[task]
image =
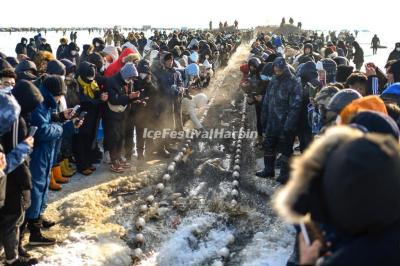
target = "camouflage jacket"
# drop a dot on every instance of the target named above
(282, 105)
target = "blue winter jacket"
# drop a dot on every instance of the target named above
(43, 152)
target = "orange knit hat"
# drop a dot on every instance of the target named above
(371, 103)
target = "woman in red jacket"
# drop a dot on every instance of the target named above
(127, 55)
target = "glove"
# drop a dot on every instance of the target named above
(26, 199)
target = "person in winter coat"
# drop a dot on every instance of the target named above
(21, 47)
(120, 95)
(62, 48)
(90, 98)
(308, 75)
(170, 84)
(254, 87)
(44, 46)
(358, 56)
(31, 48)
(127, 55)
(335, 185)
(395, 54)
(279, 117)
(142, 113)
(87, 49)
(98, 44)
(47, 135)
(71, 53)
(19, 182)
(18, 179)
(41, 59)
(26, 70)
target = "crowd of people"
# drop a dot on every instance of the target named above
(341, 191)
(52, 106)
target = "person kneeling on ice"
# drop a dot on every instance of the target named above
(194, 106)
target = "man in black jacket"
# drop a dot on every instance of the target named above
(120, 95)
(21, 47)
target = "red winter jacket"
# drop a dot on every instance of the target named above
(245, 71)
(116, 66)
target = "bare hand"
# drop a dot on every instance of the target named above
(370, 70)
(3, 162)
(77, 122)
(104, 96)
(134, 95)
(30, 141)
(69, 113)
(309, 254)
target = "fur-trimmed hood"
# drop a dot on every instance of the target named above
(297, 199)
(343, 180)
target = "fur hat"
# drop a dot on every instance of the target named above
(131, 58)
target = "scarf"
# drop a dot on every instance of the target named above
(88, 88)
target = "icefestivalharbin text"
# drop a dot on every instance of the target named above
(214, 133)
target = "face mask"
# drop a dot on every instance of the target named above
(24, 42)
(106, 65)
(7, 90)
(103, 68)
(90, 79)
(97, 44)
(398, 49)
(265, 77)
(74, 52)
(143, 75)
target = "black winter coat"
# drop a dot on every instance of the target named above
(381, 249)
(118, 91)
(19, 179)
(146, 115)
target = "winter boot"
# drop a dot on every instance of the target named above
(58, 177)
(53, 184)
(45, 223)
(269, 167)
(22, 252)
(22, 261)
(285, 171)
(66, 170)
(36, 238)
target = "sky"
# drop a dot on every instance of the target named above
(338, 14)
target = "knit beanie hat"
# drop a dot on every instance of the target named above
(129, 71)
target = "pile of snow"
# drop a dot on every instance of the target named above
(271, 248)
(83, 249)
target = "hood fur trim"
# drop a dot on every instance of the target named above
(307, 167)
